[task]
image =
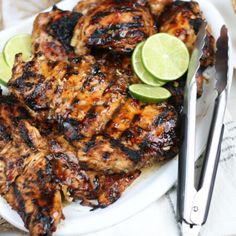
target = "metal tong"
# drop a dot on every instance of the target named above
(193, 201)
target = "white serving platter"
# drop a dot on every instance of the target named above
(153, 183)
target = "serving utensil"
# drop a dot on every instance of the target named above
(193, 201)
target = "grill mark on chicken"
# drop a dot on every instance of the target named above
(25, 136)
(131, 154)
(5, 136)
(102, 36)
(62, 28)
(114, 25)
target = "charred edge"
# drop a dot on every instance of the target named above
(21, 81)
(25, 136)
(62, 29)
(31, 100)
(23, 85)
(103, 35)
(131, 154)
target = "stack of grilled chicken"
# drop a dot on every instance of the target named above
(70, 129)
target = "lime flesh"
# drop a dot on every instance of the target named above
(149, 94)
(18, 44)
(141, 71)
(5, 71)
(165, 56)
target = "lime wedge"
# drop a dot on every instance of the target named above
(165, 56)
(149, 94)
(18, 44)
(5, 71)
(140, 70)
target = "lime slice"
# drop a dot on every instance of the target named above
(165, 56)
(140, 70)
(18, 44)
(149, 94)
(5, 71)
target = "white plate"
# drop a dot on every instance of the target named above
(152, 184)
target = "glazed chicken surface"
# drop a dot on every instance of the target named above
(89, 101)
(35, 170)
(70, 130)
(115, 25)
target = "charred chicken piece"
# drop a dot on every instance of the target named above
(36, 198)
(34, 170)
(26, 178)
(111, 131)
(52, 33)
(115, 25)
(93, 188)
(183, 20)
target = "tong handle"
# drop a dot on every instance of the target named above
(201, 203)
(186, 176)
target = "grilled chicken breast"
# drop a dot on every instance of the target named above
(52, 33)
(89, 101)
(115, 25)
(34, 170)
(26, 178)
